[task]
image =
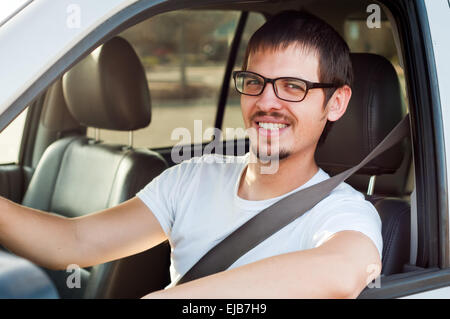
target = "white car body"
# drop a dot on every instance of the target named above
(49, 29)
(438, 14)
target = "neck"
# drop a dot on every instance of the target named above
(262, 181)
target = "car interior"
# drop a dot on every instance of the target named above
(90, 141)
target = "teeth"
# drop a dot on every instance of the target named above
(271, 126)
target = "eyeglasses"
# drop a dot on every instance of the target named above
(285, 88)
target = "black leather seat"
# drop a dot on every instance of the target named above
(78, 175)
(374, 109)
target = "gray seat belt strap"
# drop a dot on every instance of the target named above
(280, 214)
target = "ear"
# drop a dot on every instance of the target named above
(337, 105)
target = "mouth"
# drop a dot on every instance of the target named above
(271, 128)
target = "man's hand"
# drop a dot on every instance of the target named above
(340, 268)
(54, 241)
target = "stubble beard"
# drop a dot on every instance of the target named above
(268, 156)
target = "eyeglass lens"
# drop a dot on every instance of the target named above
(285, 88)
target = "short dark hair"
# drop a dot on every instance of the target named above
(311, 33)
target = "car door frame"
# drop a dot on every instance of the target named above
(433, 270)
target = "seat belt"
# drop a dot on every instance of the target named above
(280, 214)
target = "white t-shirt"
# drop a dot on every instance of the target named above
(197, 205)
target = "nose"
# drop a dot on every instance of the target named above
(267, 100)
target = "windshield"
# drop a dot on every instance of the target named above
(8, 8)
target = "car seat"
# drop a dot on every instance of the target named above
(78, 175)
(375, 108)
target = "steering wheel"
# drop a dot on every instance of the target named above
(20, 278)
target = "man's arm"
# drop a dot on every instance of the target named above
(339, 268)
(54, 241)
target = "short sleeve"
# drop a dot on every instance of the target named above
(158, 196)
(356, 214)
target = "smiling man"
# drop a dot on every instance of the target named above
(296, 79)
(288, 117)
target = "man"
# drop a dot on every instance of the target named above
(296, 78)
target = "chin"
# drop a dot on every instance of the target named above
(264, 157)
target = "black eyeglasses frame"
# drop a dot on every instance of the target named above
(309, 85)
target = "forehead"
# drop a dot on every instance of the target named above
(294, 60)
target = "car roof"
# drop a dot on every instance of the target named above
(39, 35)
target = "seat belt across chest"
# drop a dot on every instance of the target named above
(281, 213)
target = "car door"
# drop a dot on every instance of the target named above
(434, 22)
(429, 276)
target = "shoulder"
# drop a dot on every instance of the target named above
(344, 208)
(347, 200)
(208, 163)
(343, 192)
(214, 159)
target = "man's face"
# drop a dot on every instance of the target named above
(305, 120)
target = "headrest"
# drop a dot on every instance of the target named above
(374, 109)
(108, 89)
(55, 116)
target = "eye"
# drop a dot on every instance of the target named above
(252, 81)
(293, 86)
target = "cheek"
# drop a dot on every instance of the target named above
(317, 107)
(310, 122)
(246, 108)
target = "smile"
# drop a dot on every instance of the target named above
(271, 126)
(271, 129)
